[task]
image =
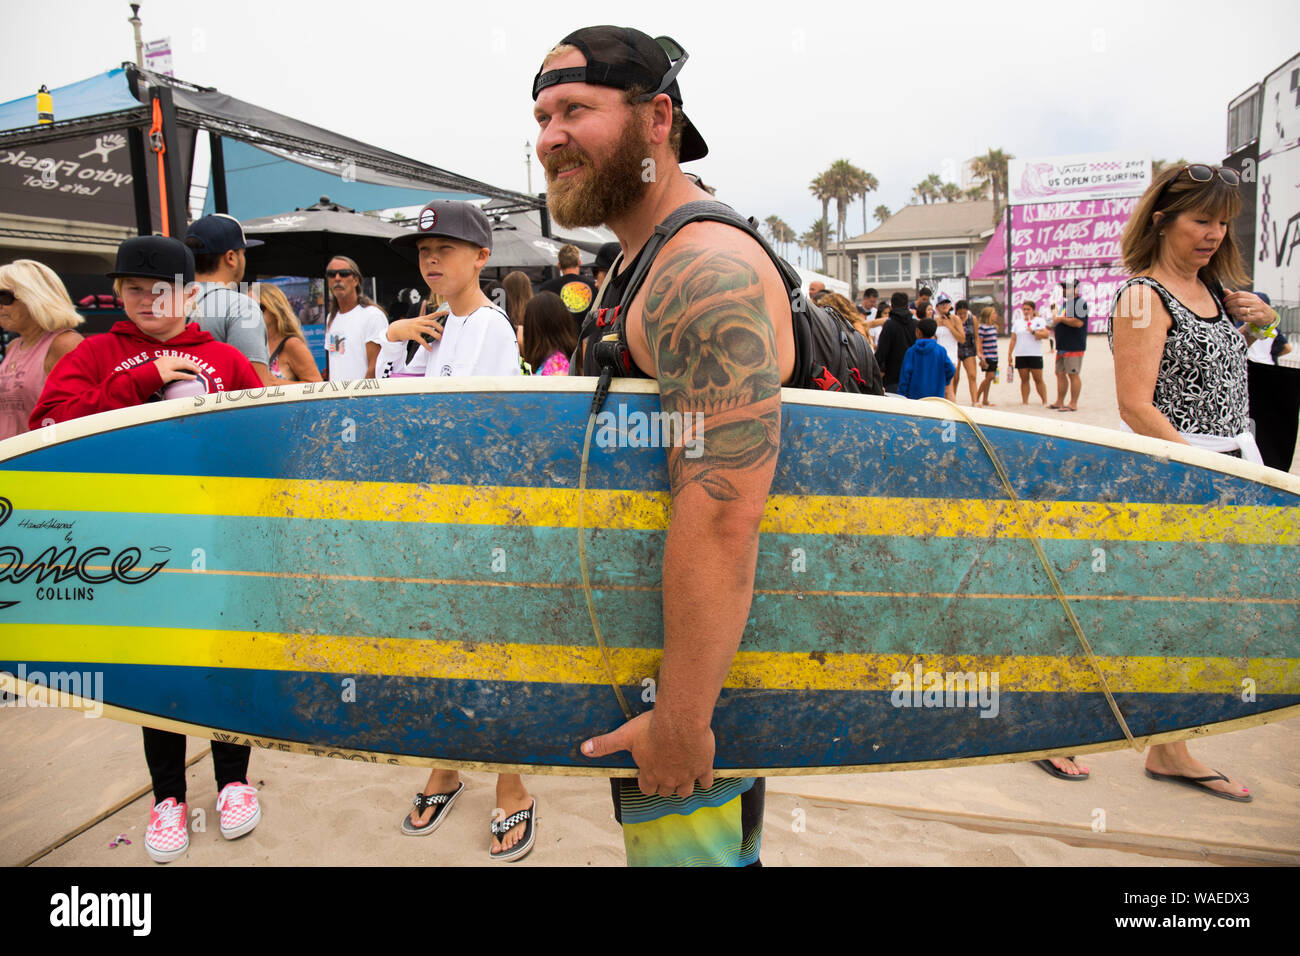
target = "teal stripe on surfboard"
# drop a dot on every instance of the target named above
(1004, 565)
(891, 623)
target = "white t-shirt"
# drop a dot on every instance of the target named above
(1027, 346)
(481, 343)
(346, 338)
(947, 341)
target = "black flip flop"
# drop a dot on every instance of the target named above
(442, 801)
(501, 827)
(1056, 771)
(1199, 784)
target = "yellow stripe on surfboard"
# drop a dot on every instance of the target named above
(546, 663)
(643, 510)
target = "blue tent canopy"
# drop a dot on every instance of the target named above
(105, 93)
(260, 183)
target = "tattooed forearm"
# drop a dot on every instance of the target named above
(714, 345)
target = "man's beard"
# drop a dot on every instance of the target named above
(599, 194)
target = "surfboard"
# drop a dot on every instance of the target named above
(390, 572)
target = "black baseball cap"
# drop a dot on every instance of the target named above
(154, 257)
(625, 58)
(451, 218)
(605, 258)
(218, 233)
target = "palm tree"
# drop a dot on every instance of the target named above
(992, 168)
(773, 229)
(822, 189)
(867, 184)
(815, 238)
(977, 192)
(845, 179)
(951, 192)
(881, 213)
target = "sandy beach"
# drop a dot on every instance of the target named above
(72, 786)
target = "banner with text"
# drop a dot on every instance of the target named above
(1085, 176)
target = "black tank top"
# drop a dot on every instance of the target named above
(614, 288)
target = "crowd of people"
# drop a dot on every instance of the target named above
(1180, 375)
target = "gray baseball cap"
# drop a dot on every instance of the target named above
(451, 218)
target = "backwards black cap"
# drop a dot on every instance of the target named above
(625, 58)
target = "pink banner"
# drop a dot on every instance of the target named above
(1056, 242)
(1097, 286)
(1082, 232)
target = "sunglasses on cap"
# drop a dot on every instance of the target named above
(1200, 173)
(338, 273)
(677, 58)
(7, 297)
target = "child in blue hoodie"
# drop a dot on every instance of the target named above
(927, 369)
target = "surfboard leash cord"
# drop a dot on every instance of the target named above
(597, 400)
(1042, 558)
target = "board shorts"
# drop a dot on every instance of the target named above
(1069, 363)
(965, 351)
(990, 365)
(1029, 361)
(720, 826)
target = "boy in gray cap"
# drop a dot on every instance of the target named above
(471, 336)
(468, 336)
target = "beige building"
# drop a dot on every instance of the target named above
(920, 243)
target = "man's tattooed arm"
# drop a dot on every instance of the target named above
(714, 345)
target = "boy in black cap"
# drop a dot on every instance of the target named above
(151, 357)
(713, 324)
(470, 336)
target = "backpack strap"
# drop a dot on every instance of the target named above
(611, 348)
(703, 210)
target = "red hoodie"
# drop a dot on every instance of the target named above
(117, 370)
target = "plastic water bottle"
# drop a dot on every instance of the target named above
(184, 388)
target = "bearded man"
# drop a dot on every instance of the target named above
(712, 323)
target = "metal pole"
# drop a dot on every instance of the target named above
(139, 43)
(218, 174)
(1007, 315)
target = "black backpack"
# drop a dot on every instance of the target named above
(829, 353)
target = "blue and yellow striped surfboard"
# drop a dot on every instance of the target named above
(389, 572)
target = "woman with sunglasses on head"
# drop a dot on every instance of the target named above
(1180, 364)
(35, 306)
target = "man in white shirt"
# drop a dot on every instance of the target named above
(469, 336)
(356, 327)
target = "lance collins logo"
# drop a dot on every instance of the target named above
(946, 689)
(76, 908)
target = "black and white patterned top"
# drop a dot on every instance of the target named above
(1201, 386)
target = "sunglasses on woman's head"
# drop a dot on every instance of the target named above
(6, 297)
(1200, 173)
(340, 273)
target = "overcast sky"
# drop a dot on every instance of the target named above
(779, 91)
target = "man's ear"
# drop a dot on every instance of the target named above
(661, 118)
(481, 259)
(231, 258)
